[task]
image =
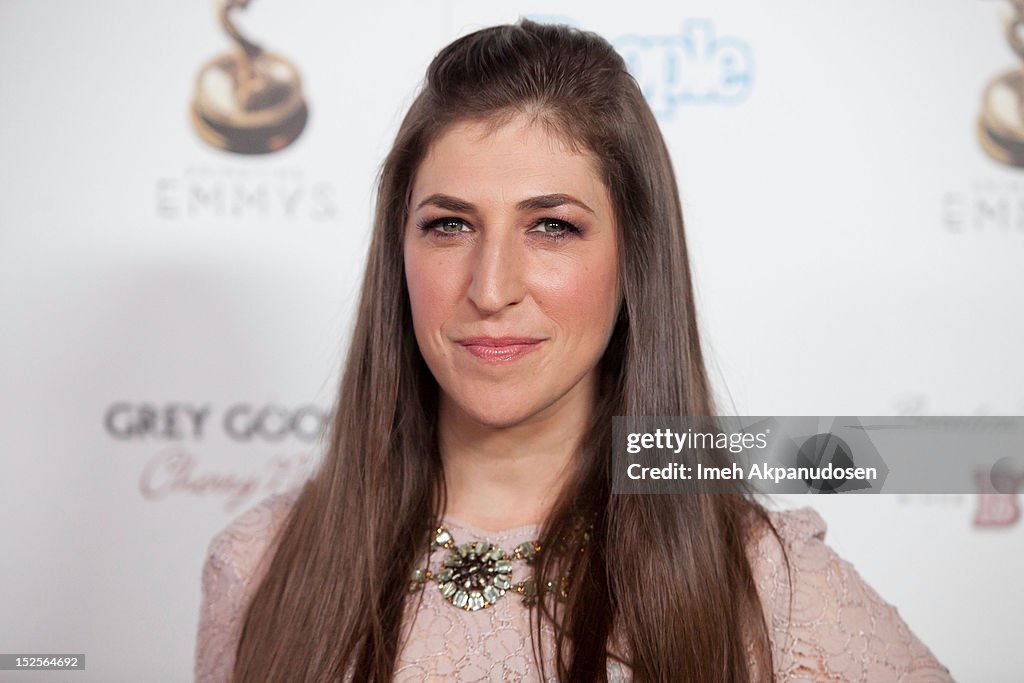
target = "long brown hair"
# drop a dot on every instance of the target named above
(667, 576)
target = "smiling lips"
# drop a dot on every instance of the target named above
(500, 349)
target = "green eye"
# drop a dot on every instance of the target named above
(451, 227)
(445, 227)
(555, 228)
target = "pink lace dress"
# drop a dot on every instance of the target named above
(839, 628)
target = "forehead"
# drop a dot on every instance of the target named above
(478, 160)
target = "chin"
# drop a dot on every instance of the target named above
(494, 410)
(496, 416)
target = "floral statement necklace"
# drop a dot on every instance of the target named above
(475, 575)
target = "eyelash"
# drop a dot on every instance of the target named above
(569, 230)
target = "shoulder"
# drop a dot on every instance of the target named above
(795, 542)
(792, 547)
(234, 566)
(824, 620)
(244, 541)
(779, 555)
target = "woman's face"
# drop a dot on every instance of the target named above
(511, 260)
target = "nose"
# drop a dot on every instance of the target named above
(497, 279)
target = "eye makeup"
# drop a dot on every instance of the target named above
(437, 226)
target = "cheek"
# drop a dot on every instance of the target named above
(430, 290)
(583, 298)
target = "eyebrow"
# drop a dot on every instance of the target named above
(544, 201)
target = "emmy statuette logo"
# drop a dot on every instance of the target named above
(247, 101)
(992, 203)
(1001, 122)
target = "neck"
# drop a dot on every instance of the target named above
(503, 477)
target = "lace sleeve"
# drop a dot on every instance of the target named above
(839, 628)
(232, 571)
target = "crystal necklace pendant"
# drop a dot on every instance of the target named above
(474, 576)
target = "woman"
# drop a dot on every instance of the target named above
(527, 281)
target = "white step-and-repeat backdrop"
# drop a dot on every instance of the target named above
(174, 308)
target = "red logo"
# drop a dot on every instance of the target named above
(998, 499)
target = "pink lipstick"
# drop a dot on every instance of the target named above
(500, 349)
